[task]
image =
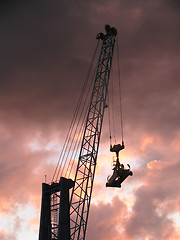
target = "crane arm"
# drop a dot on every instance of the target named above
(84, 178)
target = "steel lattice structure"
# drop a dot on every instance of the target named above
(82, 191)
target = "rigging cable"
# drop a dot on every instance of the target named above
(75, 131)
(120, 96)
(113, 104)
(69, 134)
(76, 145)
(109, 118)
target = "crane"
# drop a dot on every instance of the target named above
(65, 217)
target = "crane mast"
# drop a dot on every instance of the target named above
(61, 218)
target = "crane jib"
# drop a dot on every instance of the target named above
(84, 178)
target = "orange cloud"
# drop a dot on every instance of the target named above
(145, 142)
(155, 164)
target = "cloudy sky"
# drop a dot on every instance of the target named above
(45, 51)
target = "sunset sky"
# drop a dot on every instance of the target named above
(45, 51)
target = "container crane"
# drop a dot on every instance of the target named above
(64, 218)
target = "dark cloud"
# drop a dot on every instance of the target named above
(107, 218)
(40, 67)
(45, 57)
(150, 212)
(174, 4)
(146, 221)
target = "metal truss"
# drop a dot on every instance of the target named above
(82, 191)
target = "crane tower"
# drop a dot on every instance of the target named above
(64, 218)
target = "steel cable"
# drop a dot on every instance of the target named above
(120, 95)
(60, 165)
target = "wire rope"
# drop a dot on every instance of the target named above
(76, 147)
(109, 118)
(75, 131)
(120, 95)
(114, 132)
(74, 135)
(71, 128)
